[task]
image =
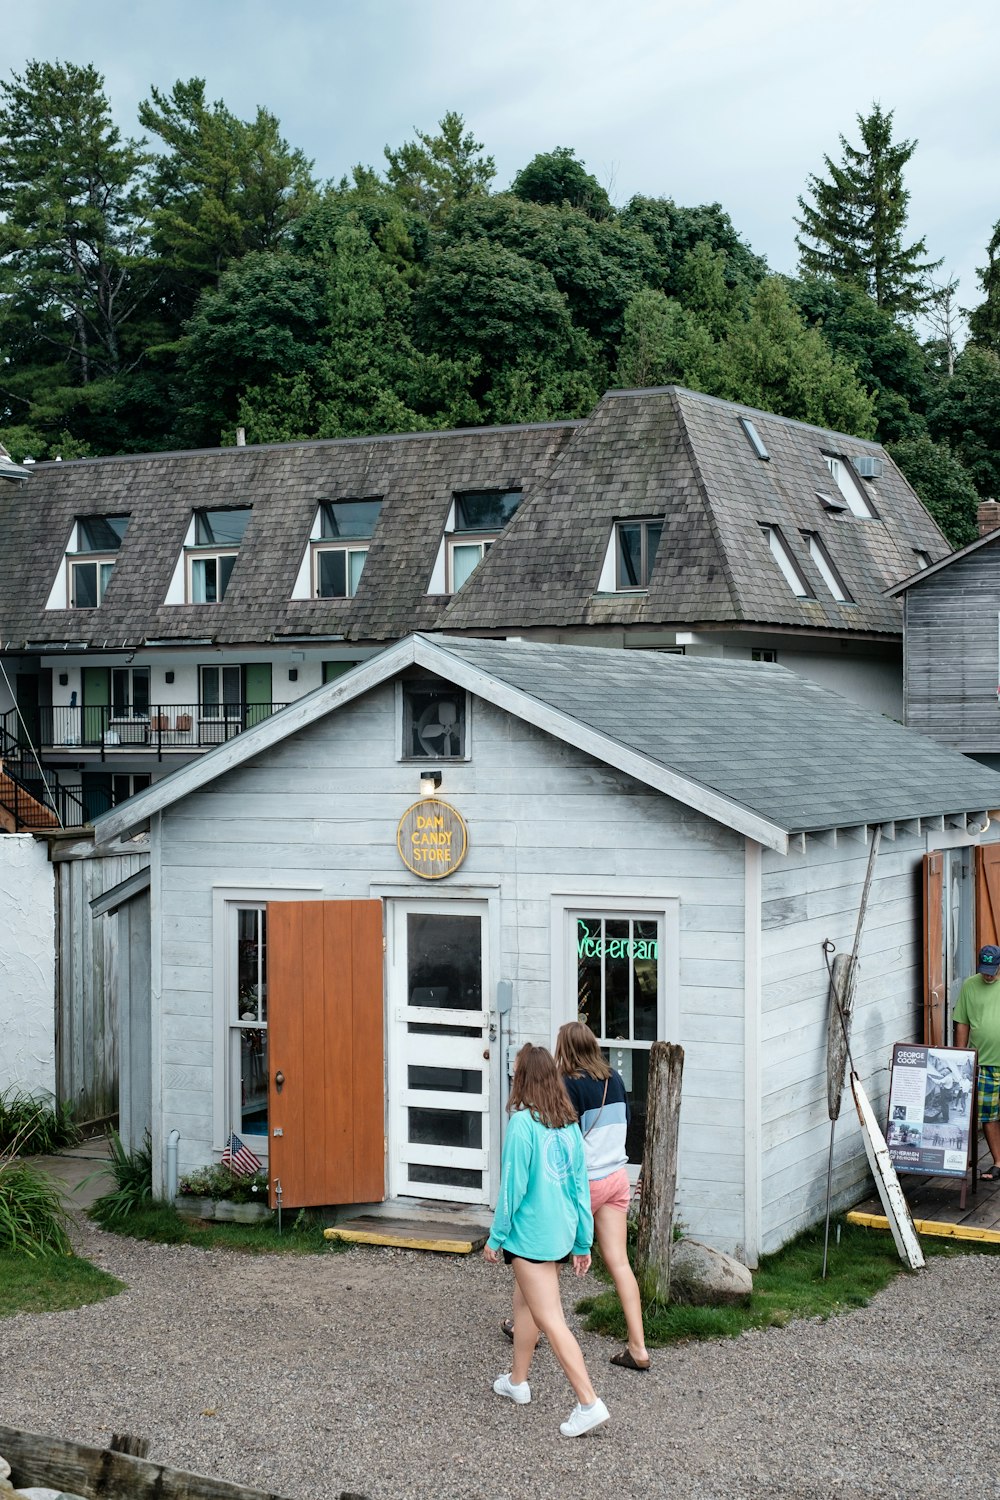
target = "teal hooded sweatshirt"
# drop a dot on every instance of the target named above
(543, 1210)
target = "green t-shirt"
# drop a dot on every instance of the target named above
(978, 1008)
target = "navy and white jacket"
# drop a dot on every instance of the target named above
(603, 1130)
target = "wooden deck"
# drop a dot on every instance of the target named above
(935, 1204)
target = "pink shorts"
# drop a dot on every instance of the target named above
(614, 1191)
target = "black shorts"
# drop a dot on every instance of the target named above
(562, 1261)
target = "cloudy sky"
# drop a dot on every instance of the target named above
(701, 101)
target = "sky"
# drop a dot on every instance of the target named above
(702, 101)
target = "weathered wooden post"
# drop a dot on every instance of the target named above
(659, 1171)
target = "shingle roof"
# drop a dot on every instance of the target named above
(685, 456)
(726, 736)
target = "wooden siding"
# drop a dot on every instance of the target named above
(87, 1000)
(951, 653)
(544, 818)
(808, 898)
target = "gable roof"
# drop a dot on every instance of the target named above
(666, 452)
(942, 563)
(756, 747)
(685, 456)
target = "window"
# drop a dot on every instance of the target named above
(923, 558)
(340, 551)
(480, 517)
(130, 692)
(756, 441)
(619, 996)
(636, 543)
(786, 562)
(247, 1026)
(763, 653)
(857, 502)
(221, 692)
(434, 721)
(826, 568)
(98, 539)
(217, 538)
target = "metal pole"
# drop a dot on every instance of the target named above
(829, 1194)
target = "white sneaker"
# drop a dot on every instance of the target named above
(583, 1419)
(521, 1394)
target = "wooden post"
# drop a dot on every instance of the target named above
(659, 1171)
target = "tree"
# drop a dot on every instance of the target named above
(224, 187)
(434, 172)
(558, 177)
(674, 232)
(853, 229)
(665, 344)
(984, 320)
(943, 484)
(72, 268)
(965, 414)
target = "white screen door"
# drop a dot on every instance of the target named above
(440, 1065)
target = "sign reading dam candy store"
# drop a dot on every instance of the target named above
(432, 839)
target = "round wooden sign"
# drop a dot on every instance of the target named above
(432, 839)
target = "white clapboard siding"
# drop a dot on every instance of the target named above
(950, 651)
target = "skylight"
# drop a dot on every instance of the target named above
(756, 441)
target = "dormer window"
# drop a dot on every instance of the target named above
(923, 558)
(212, 551)
(826, 567)
(478, 519)
(782, 555)
(339, 551)
(848, 486)
(636, 544)
(89, 563)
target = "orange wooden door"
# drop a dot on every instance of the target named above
(987, 894)
(934, 984)
(325, 1025)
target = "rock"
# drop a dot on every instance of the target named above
(4, 1468)
(703, 1277)
(42, 1492)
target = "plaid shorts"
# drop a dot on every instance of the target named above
(989, 1093)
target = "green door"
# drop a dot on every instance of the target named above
(258, 692)
(96, 703)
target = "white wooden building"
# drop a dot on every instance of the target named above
(661, 843)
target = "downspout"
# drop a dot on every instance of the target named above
(172, 1141)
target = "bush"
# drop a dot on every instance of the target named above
(38, 1126)
(133, 1175)
(32, 1212)
(219, 1183)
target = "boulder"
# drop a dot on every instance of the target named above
(703, 1277)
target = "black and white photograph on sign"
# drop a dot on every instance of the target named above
(930, 1109)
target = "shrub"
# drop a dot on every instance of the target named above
(218, 1182)
(38, 1125)
(32, 1211)
(133, 1175)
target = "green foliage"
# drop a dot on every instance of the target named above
(853, 229)
(132, 1172)
(965, 414)
(674, 232)
(558, 177)
(434, 172)
(984, 320)
(943, 484)
(787, 1285)
(50, 1283)
(36, 1126)
(32, 1212)
(219, 1182)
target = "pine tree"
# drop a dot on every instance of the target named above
(984, 320)
(853, 229)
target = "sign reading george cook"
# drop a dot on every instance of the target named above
(432, 839)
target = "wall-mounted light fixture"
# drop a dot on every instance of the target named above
(63, 679)
(168, 676)
(429, 782)
(293, 674)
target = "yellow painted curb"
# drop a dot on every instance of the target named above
(399, 1241)
(931, 1227)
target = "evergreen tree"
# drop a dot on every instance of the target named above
(984, 320)
(558, 177)
(853, 228)
(434, 172)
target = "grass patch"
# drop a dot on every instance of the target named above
(162, 1224)
(787, 1285)
(50, 1283)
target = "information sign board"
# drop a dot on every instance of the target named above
(931, 1109)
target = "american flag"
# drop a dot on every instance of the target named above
(239, 1158)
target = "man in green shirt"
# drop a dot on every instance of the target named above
(977, 1024)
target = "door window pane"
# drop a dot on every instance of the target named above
(445, 1127)
(248, 1089)
(460, 1177)
(445, 961)
(445, 1080)
(84, 586)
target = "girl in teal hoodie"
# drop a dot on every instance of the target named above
(543, 1218)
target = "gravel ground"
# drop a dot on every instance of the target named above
(371, 1371)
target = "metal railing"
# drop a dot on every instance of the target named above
(31, 799)
(112, 728)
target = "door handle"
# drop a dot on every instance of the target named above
(486, 1054)
(279, 1079)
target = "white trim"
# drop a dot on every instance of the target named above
(752, 1165)
(657, 901)
(224, 898)
(156, 1009)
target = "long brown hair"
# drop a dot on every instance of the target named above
(577, 1052)
(537, 1086)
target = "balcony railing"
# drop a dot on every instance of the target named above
(113, 728)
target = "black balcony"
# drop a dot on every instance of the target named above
(110, 730)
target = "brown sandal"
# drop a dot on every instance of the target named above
(507, 1329)
(627, 1361)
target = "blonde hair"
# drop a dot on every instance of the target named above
(577, 1052)
(537, 1086)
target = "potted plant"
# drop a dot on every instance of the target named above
(216, 1193)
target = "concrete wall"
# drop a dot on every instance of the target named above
(27, 965)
